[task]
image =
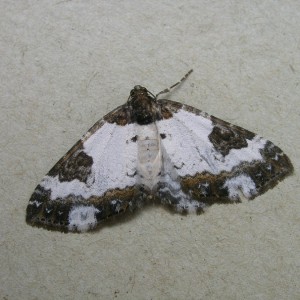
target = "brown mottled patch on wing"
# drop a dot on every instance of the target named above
(54, 214)
(121, 116)
(168, 108)
(226, 136)
(209, 188)
(74, 165)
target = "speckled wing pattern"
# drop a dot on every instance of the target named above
(154, 150)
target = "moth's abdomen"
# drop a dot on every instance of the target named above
(149, 155)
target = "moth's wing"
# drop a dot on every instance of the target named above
(208, 160)
(92, 182)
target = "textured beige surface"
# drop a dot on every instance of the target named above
(64, 64)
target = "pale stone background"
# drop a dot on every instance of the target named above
(64, 64)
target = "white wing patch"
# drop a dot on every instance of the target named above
(109, 171)
(82, 218)
(190, 150)
(240, 183)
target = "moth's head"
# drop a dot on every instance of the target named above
(139, 89)
(142, 105)
(140, 93)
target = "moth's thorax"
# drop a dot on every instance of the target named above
(144, 108)
(149, 155)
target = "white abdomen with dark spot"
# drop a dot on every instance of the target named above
(149, 155)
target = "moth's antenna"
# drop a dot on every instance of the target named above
(177, 83)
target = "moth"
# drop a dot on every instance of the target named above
(154, 150)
